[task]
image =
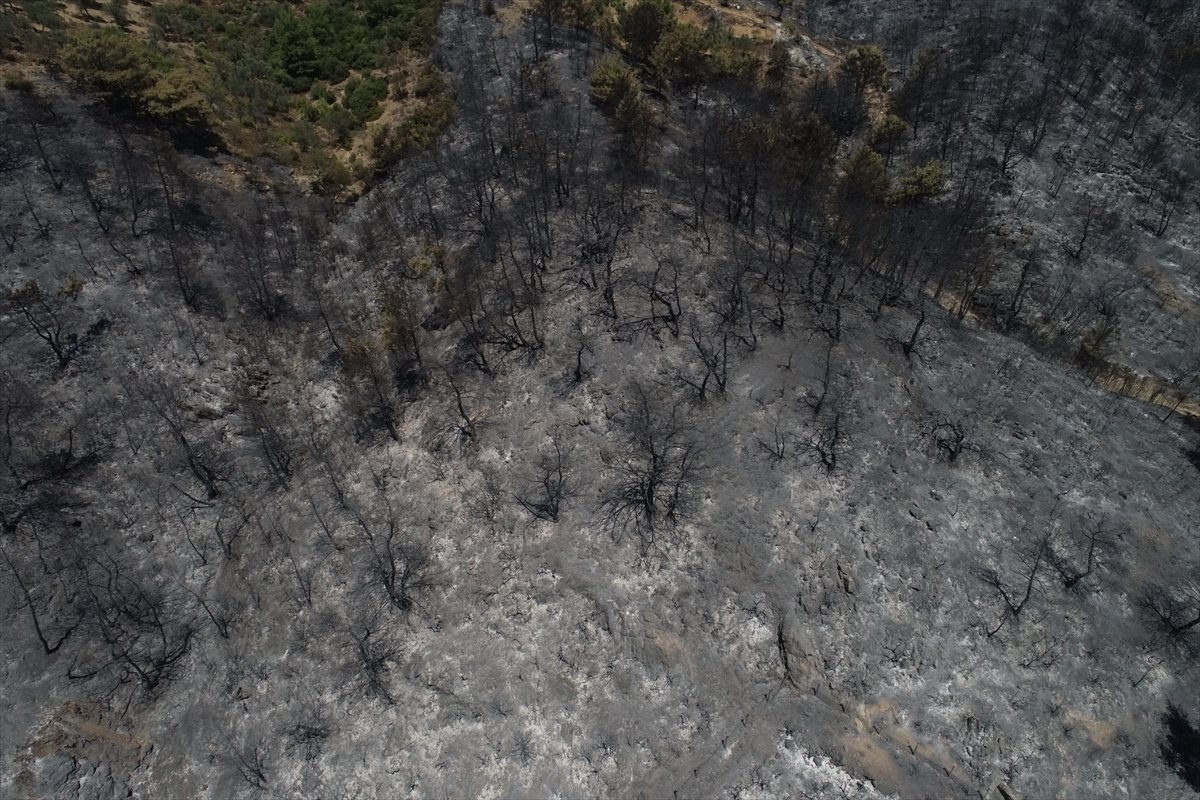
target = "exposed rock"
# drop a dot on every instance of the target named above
(798, 654)
(82, 752)
(846, 579)
(1008, 793)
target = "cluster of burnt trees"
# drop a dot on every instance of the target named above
(538, 193)
(129, 500)
(1139, 55)
(82, 592)
(1062, 93)
(850, 183)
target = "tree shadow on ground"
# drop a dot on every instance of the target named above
(1181, 749)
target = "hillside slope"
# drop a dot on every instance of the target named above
(637, 439)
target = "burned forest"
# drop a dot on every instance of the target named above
(569, 398)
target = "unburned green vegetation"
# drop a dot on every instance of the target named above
(297, 82)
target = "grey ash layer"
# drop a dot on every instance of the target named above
(572, 462)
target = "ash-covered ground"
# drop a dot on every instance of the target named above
(585, 456)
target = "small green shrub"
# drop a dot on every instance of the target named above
(178, 95)
(305, 136)
(679, 59)
(919, 183)
(321, 92)
(109, 63)
(19, 83)
(423, 126)
(341, 125)
(430, 83)
(613, 83)
(644, 24)
(362, 96)
(865, 175)
(867, 68)
(887, 135)
(119, 11)
(332, 176)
